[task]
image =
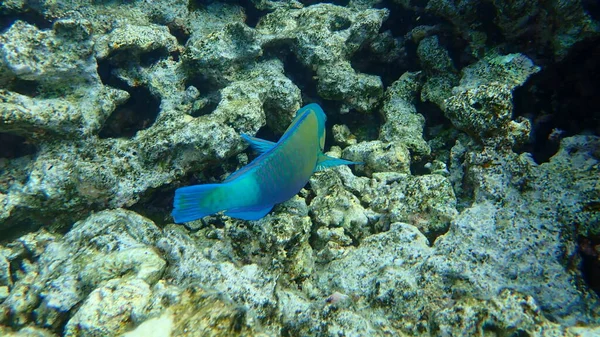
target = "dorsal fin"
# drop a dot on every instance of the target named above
(257, 144)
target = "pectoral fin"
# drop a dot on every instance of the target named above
(249, 214)
(327, 161)
(257, 144)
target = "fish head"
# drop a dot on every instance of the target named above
(320, 117)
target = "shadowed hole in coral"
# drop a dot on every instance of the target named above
(589, 251)
(106, 76)
(488, 14)
(138, 113)
(297, 72)
(194, 5)
(24, 87)
(156, 205)
(14, 146)
(151, 57)
(335, 2)
(180, 33)
(562, 100)
(363, 126)
(253, 14)
(491, 329)
(210, 95)
(266, 132)
(458, 49)
(126, 57)
(339, 23)
(592, 7)
(15, 229)
(476, 106)
(436, 125)
(8, 17)
(399, 23)
(402, 20)
(389, 69)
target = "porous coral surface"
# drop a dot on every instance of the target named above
(449, 226)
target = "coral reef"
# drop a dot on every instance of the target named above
(449, 226)
(549, 27)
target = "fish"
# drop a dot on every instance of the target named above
(280, 171)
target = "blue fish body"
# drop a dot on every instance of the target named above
(275, 176)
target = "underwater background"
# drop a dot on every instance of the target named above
(476, 211)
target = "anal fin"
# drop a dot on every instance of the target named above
(249, 213)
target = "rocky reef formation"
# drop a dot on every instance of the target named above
(449, 228)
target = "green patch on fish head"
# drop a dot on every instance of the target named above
(321, 119)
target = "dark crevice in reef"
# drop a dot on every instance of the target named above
(297, 72)
(180, 33)
(138, 113)
(8, 17)
(14, 146)
(363, 126)
(24, 87)
(403, 20)
(494, 36)
(389, 70)
(156, 205)
(267, 134)
(149, 58)
(592, 7)
(253, 14)
(210, 95)
(335, 2)
(339, 24)
(105, 73)
(435, 123)
(17, 228)
(417, 166)
(433, 235)
(589, 251)
(399, 23)
(562, 100)
(457, 47)
(434, 116)
(126, 57)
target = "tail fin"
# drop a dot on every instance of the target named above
(194, 202)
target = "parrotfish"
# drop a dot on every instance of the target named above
(275, 176)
